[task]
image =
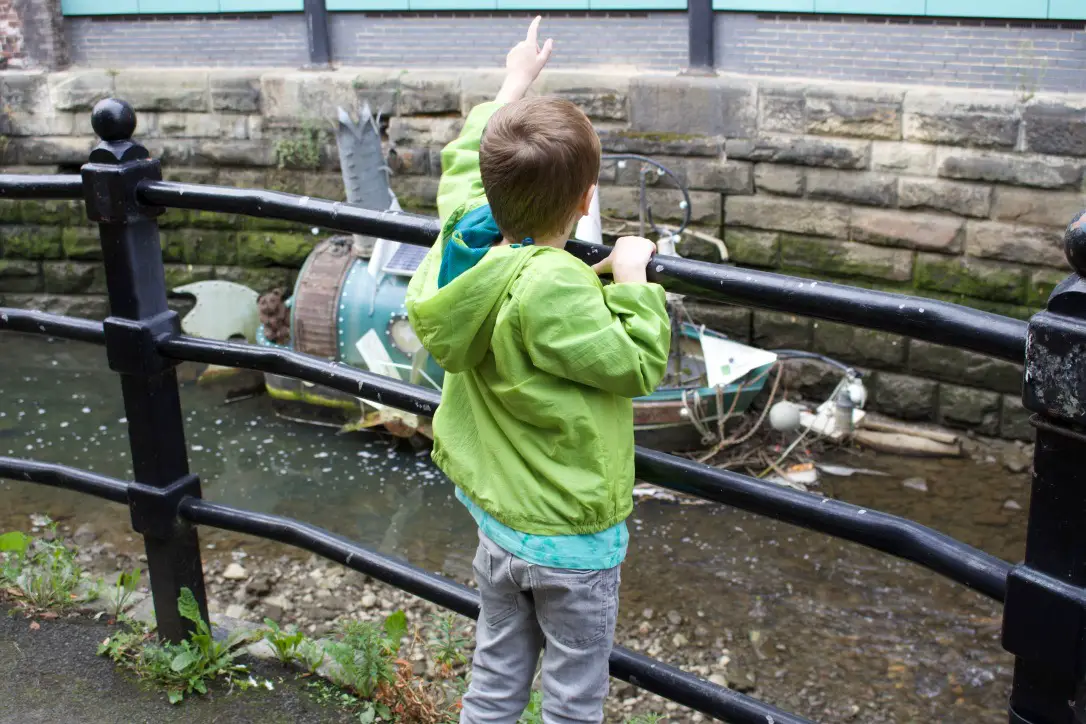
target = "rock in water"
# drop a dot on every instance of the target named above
(916, 484)
(236, 610)
(234, 572)
(84, 535)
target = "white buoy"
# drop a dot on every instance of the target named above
(784, 416)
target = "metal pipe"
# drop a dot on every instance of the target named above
(34, 322)
(884, 532)
(316, 25)
(41, 186)
(927, 319)
(62, 476)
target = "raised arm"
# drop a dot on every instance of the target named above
(460, 179)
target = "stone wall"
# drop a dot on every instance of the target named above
(953, 195)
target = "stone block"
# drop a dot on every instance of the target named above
(709, 174)
(904, 397)
(1056, 127)
(659, 144)
(178, 275)
(1016, 170)
(31, 242)
(971, 277)
(199, 246)
(235, 91)
(1041, 284)
(84, 306)
(623, 202)
(292, 95)
(410, 161)
(25, 91)
(696, 247)
(794, 215)
(915, 159)
(229, 177)
(602, 96)
(852, 187)
(20, 276)
(417, 132)
(48, 150)
(877, 116)
(324, 185)
(79, 90)
(907, 229)
(175, 151)
(963, 199)
(957, 365)
(199, 125)
(1015, 423)
(164, 90)
(726, 319)
(260, 280)
(50, 212)
(235, 153)
(416, 193)
(1009, 242)
(779, 330)
(428, 92)
(969, 407)
(274, 249)
(70, 277)
(801, 151)
(687, 104)
(961, 118)
(753, 248)
(781, 113)
(864, 347)
(21, 123)
(82, 243)
(780, 180)
(846, 258)
(1037, 208)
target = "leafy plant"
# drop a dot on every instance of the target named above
(284, 642)
(303, 149)
(365, 653)
(533, 713)
(123, 590)
(650, 718)
(181, 668)
(448, 641)
(42, 572)
(311, 654)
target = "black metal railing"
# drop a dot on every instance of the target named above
(1045, 602)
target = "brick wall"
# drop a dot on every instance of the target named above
(1023, 56)
(11, 37)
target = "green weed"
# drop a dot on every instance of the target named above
(42, 572)
(284, 641)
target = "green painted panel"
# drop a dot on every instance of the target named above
(783, 6)
(871, 7)
(257, 6)
(1067, 9)
(989, 8)
(637, 4)
(453, 4)
(170, 7)
(542, 4)
(97, 7)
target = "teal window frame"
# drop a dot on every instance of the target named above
(176, 7)
(994, 9)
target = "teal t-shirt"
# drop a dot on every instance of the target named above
(592, 552)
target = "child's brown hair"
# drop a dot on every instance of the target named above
(538, 157)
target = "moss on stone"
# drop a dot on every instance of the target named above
(753, 248)
(180, 274)
(844, 259)
(199, 246)
(31, 242)
(260, 280)
(81, 243)
(212, 220)
(971, 278)
(52, 212)
(19, 276)
(258, 223)
(68, 277)
(1041, 284)
(274, 249)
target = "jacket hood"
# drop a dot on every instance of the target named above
(455, 310)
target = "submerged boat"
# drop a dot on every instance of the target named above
(348, 305)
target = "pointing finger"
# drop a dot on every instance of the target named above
(533, 31)
(545, 54)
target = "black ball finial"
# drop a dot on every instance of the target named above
(1074, 244)
(113, 120)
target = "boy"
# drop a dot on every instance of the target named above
(536, 421)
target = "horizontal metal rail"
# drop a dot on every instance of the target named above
(641, 671)
(891, 534)
(34, 322)
(927, 319)
(41, 186)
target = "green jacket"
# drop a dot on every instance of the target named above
(536, 420)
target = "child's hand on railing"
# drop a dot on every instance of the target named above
(627, 262)
(523, 64)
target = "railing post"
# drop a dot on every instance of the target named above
(137, 296)
(1044, 621)
(316, 26)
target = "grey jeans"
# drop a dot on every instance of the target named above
(569, 614)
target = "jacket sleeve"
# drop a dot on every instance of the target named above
(615, 338)
(460, 179)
